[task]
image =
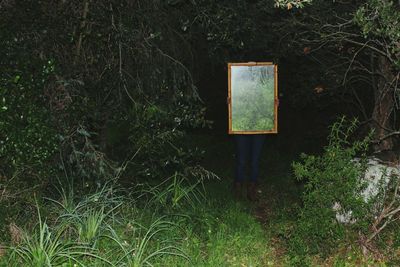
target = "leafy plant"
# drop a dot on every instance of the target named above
(290, 4)
(330, 178)
(83, 160)
(156, 131)
(89, 225)
(28, 140)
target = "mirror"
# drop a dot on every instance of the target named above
(252, 94)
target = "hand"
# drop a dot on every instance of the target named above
(277, 102)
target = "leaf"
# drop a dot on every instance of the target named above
(83, 132)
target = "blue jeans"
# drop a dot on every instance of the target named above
(248, 146)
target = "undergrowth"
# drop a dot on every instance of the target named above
(172, 223)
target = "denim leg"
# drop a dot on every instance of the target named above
(242, 152)
(256, 149)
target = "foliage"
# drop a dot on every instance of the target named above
(346, 47)
(177, 191)
(47, 248)
(380, 19)
(139, 252)
(87, 219)
(155, 133)
(385, 208)
(124, 68)
(134, 233)
(88, 85)
(330, 178)
(338, 186)
(83, 160)
(28, 140)
(75, 71)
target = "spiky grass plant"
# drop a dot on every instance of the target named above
(175, 191)
(88, 217)
(47, 248)
(106, 197)
(67, 201)
(91, 224)
(144, 248)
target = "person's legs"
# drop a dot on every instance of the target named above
(243, 146)
(242, 153)
(257, 142)
(256, 149)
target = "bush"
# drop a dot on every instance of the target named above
(156, 132)
(27, 137)
(331, 178)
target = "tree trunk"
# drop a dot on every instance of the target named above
(383, 107)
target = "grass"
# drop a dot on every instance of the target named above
(198, 227)
(176, 222)
(45, 247)
(175, 191)
(139, 251)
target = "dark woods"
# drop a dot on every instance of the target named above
(90, 78)
(113, 77)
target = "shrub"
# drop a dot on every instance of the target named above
(156, 131)
(331, 178)
(27, 137)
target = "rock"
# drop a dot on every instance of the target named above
(377, 174)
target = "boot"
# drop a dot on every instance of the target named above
(252, 191)
(237, 190)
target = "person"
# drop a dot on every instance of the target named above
(248, 147)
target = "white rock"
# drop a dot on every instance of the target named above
(377, 173)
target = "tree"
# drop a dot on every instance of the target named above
(126, 65)
(357, 43)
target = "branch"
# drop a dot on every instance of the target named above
(83, 24)
(385, 137)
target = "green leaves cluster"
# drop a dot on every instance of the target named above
(124, 71)
(330, 178)
(156, 133)
(27, 139)
(381, 19)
